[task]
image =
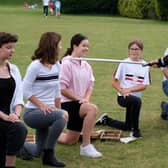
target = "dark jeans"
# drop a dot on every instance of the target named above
(45, 10)
(165, 90)
(12, 137)
(165, 87)
(133, 106)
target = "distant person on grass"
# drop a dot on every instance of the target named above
(57, 8)
(12, 130)
(51, 7)
(42, 89)
(45, 7)
(129, 80)
(77, 82)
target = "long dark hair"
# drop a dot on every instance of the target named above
(47, 50)
(75, 40)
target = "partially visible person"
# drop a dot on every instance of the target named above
(77, 82)
(42, 89)
(57, 8)
(12, 130)
(160, 62)
(45, 7)
(129, 80)
(164, 104)
(51, 7)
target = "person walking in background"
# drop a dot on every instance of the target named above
(77, 83)
(42, 89)
(129, 80)
(45, 7)
(57, 8)
(12, 131)
(51, 7)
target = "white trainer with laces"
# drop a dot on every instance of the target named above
(89, 151)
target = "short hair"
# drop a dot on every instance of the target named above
(47, 50)
(138, 42)
(7, 38)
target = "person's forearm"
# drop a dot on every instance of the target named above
(116, 85)
(3, 115)
(58, 102)
(88, 94)
(18, 109)
(36, 101)
(138, 88)
(165, 72)
(69, 94)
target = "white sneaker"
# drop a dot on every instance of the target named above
(89, 151)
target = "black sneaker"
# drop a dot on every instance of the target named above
(162, 106)
(24, 154)
(163, 114)
(102, 120)
(137, 134)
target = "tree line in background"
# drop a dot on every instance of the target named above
(155, 9)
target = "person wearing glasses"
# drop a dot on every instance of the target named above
(129, 80)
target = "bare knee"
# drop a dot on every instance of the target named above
(65, 115)
(94, 110)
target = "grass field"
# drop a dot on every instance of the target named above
(108, 38)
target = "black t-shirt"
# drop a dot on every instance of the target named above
(7, 87)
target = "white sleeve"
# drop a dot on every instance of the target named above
(19, 90)
(147, 77)
(29, 79)
(118, 72)
(58, 90)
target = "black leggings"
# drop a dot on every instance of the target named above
(133, 106)
(12, 137)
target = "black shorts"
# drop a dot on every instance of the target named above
(75, 122)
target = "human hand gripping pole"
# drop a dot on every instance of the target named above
(161, 62)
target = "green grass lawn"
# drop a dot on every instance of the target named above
(109, 37)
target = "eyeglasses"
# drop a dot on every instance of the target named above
(135, 49)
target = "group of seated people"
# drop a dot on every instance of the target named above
(58, 93)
